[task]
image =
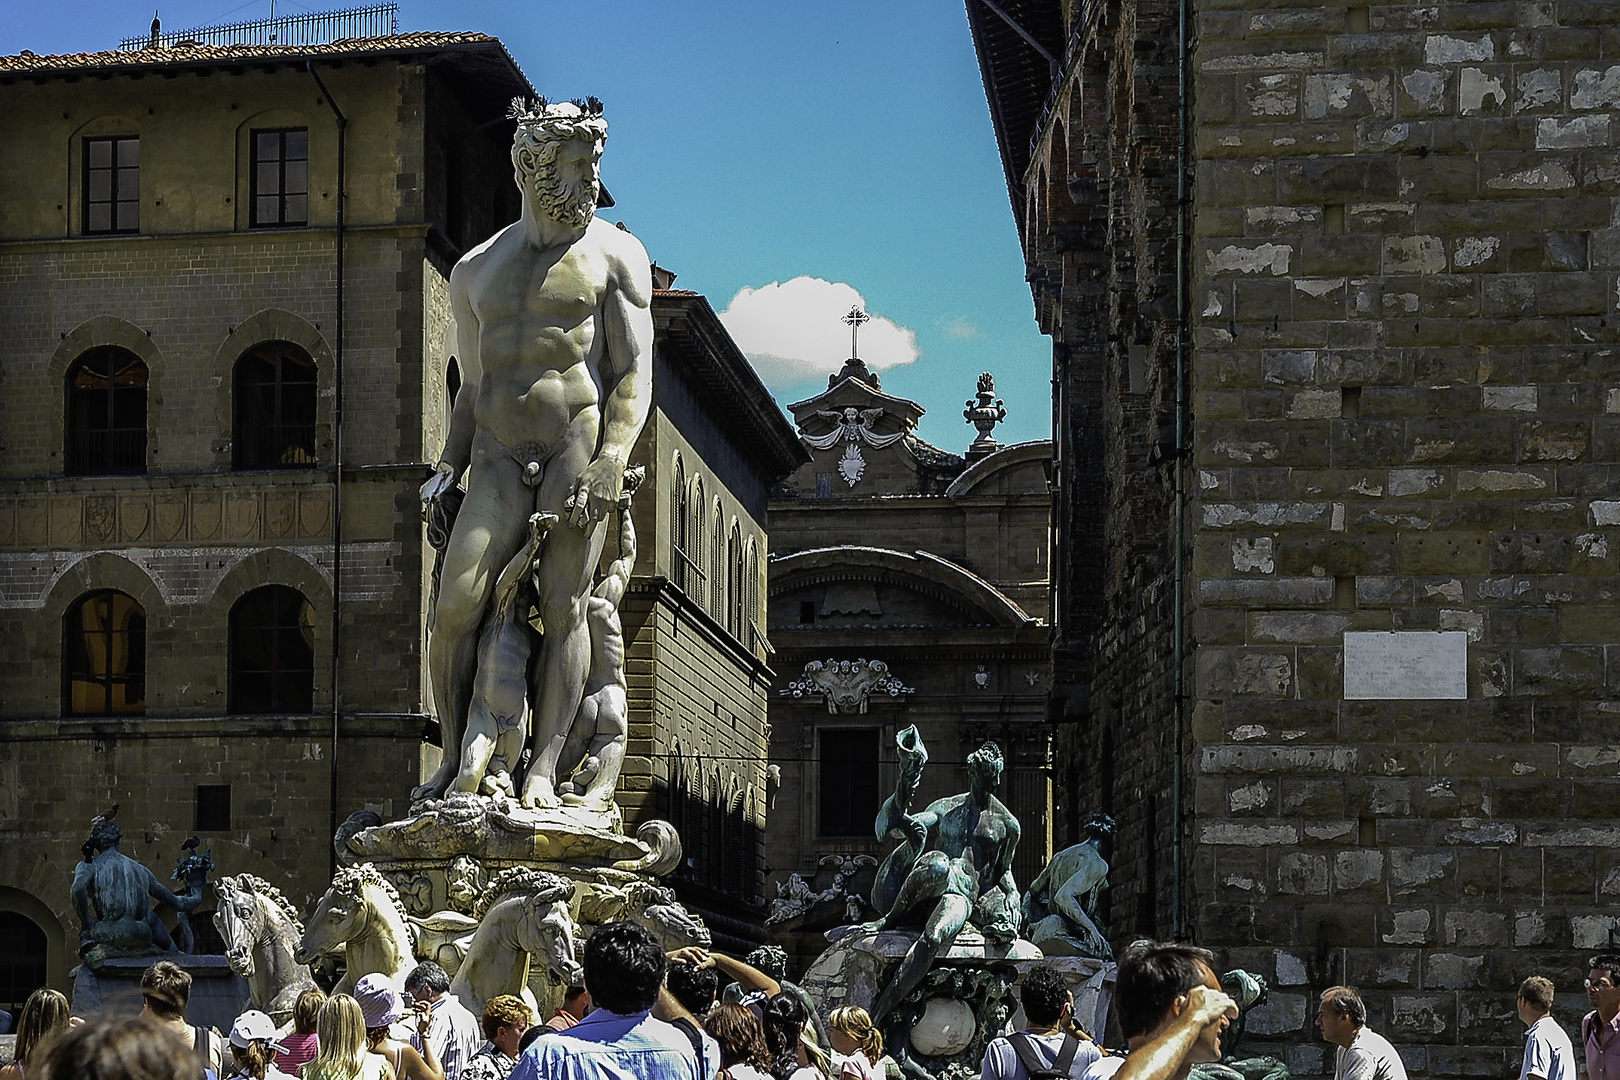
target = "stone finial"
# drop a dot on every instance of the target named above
(984, 411)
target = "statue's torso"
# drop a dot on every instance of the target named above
(973, 836)
(537, 334)
(119, 887)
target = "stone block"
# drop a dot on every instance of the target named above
(1385, 969)
(1412, 873)
(1475, 928)
(1408, 927)
(1452, 971)
(1357, 869)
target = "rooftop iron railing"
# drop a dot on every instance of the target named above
(318, 28)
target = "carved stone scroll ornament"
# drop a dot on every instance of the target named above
(846, 685)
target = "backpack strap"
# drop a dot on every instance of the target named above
(199, 1046)
(693, 1036)
(1024, 1046)
(1066, 1054)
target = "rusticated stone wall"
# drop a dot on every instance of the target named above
(1405, 415)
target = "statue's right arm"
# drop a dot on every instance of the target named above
(160, 892)
(458, 438)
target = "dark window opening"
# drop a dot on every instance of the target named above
(106, 413)
(848, 795)
(22, 960)
(281, 177)
(275, 408)
(106, 655)
(273, 652)
(807, 611)
(112, 185)
(213, 808)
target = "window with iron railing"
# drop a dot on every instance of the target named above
(272, 653)
(106, 413)
(275, 389)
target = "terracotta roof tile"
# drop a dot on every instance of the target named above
(128, 59)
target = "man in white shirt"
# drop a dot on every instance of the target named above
(1171, 1010)
(1548, 1054)
(1363, 1053)
(453, 1031)
(1047, 1043)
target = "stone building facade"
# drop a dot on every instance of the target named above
(1334, 352)
(189, 638)
(908, 586)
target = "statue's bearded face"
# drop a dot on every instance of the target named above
(561, 177)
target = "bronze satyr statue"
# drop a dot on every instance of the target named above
(113, 894)
(965, 875)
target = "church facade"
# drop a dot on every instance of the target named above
(908, 586)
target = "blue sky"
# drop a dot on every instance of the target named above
(758, 142)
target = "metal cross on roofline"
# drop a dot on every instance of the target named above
(855, 318)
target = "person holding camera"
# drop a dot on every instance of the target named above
(1172, 1012)
(1048, 1047)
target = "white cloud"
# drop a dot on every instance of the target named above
(793, 331)
(958, 327)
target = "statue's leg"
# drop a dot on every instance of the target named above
(607, 748)
(944, 923)
(603, 739)
(160, 933)
(491, 527)
(929, 877)
(567, 565)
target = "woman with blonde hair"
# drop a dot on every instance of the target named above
(852, 1034)
(44, 1017)
(340, 1027)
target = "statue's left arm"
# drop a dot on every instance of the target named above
(627, 329)
(187, 901)
(1004, 857)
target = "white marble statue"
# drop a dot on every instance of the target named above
(261, 930)
(554, 331)
(523, 920)
(361, 915)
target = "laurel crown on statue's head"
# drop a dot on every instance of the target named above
(559, 120)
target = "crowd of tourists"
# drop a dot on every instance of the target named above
(695, 1014)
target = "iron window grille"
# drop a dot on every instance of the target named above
(106, 655)
(106, 413)
(847, 802)
(273, 652)
(275, 408)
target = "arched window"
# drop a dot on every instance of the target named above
(678, 525)
(105, 654)
(734, 583)
(717, 565)
(700, 546)
(275, 408)
(751, 610)
(106, 413)
(273, 652)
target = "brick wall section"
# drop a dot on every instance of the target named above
(1405, 417)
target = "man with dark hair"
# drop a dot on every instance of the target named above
(165, 990)
(453, 1032)
(1046, 1047)
(1600, 1028)
(693, 986)
(624, 972)
(576, 1003)
(1547, 1053)
(1363, 1053)
(1171, 1010)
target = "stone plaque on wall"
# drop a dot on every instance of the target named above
(1415, 664)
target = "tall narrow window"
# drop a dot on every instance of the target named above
(678, 525)
(105, 650)
(848, 789)
(281, 177)
(717, 566)
(755, 618)
(106, 413)
(275, 408)
(273, 652)
(734, 583)
(700, 545)
(112, 185)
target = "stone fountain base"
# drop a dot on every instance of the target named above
(112, 988)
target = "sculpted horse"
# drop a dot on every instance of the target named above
(523, 919)
(362, 915)
(260, 931)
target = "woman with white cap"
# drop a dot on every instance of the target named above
(253, 1040)
(383, 1007)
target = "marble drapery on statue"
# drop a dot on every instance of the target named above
(553, 330)
(964, 875)
(113, 896)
